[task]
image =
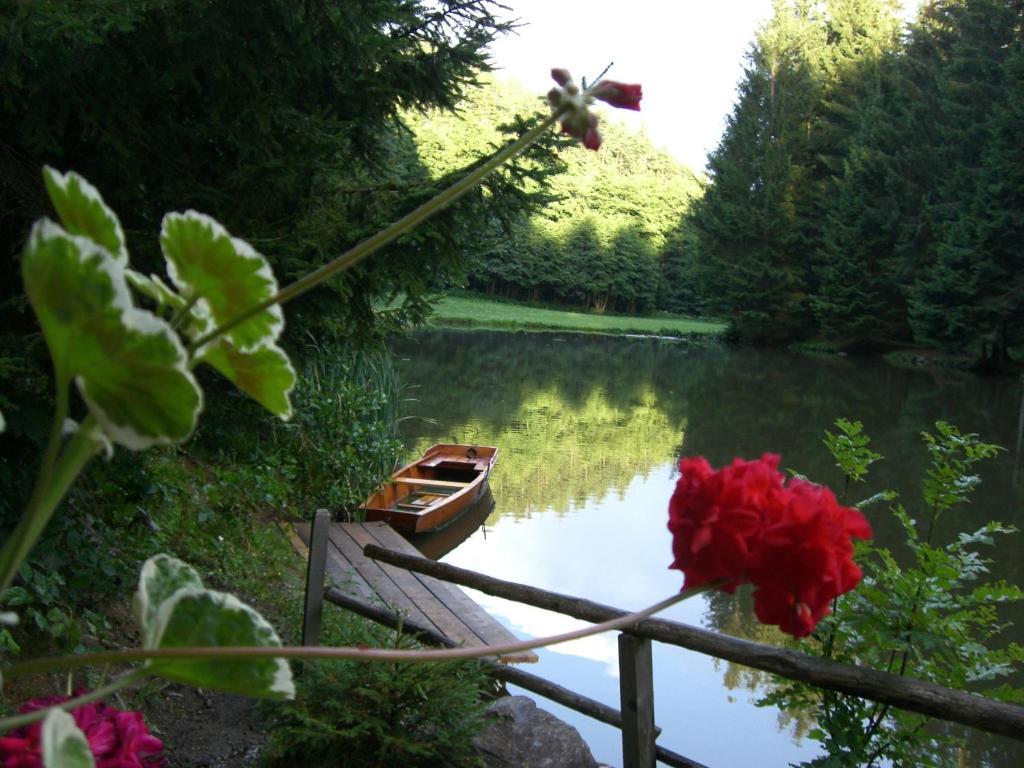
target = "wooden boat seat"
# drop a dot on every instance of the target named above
(455, 462)
(428, 481)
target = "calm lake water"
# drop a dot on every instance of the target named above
(590, 430)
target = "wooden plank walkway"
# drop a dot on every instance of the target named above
(423, 599)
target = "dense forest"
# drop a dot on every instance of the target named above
(172, 104)
(601, 241)
(869, 186)
(868, 190)
(287, 123)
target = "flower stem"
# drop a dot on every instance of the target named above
(45, 499)
(17, 721)
(352, 653)
(387, 235)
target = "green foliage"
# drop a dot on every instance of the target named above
(850, 449)
(175, 610)
(933, 615)
(307, 154)
(864, 189)
(597, 240)
(380, 715)
(342, 441)
(48, 607)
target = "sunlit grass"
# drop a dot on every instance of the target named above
(483, 313)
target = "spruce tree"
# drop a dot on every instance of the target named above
(751, 250)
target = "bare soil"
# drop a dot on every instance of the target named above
(201, 729)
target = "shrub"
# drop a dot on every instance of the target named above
(380, 715)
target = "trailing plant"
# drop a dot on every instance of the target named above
(931, 612)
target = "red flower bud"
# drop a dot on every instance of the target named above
(621, 95)
(561, 76)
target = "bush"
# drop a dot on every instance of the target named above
(380, 715)
(931, 613)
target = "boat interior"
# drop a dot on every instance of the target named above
(429, 482)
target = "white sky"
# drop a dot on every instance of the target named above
(687, 54)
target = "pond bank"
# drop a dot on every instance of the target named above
(488, 314)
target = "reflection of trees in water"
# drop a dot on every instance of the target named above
(578, 416)
(747, 402)
(734, 615)
(573, 419)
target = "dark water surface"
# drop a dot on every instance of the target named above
(590, 429)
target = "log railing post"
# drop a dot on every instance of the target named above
(636, 693)
(316, 569)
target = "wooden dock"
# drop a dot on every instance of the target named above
(424, 600)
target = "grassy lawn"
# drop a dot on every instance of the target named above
(481, 313)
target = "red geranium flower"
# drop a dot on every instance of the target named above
(117, 739)
(743, 523)
(716, 517)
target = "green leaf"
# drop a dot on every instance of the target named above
(64, 745)
(161, 576)
(82, 212)
(265, 374)
(129, 364)
(154, 288)
(226, 274)
(203, 617)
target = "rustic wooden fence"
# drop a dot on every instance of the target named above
(636, 715)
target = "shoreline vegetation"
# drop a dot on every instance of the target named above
(469, 311)
(477, 312)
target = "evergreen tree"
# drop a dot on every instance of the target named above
(974, 38)
(751, 250)
(280, 119)
(997, 275)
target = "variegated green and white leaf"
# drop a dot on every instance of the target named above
(82, 212)
(196, 617)
(264, 373)
(154, 288)
(226, 274)
(129, 365)
(64, 744)
(161, 576)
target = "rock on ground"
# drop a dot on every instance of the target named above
(519, 735)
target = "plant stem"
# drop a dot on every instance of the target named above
(181, 316)
(80, 449)
(17, 721)
(387, 235)
(357, 654)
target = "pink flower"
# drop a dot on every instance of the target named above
(117, 739)
(744, 523)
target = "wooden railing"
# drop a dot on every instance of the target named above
(636, 717)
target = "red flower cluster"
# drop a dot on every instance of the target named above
(744, 523)
(117, 739)
(577, 120)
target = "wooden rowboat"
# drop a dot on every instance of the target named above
(433, 490)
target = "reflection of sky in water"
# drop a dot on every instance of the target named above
(616, 551)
